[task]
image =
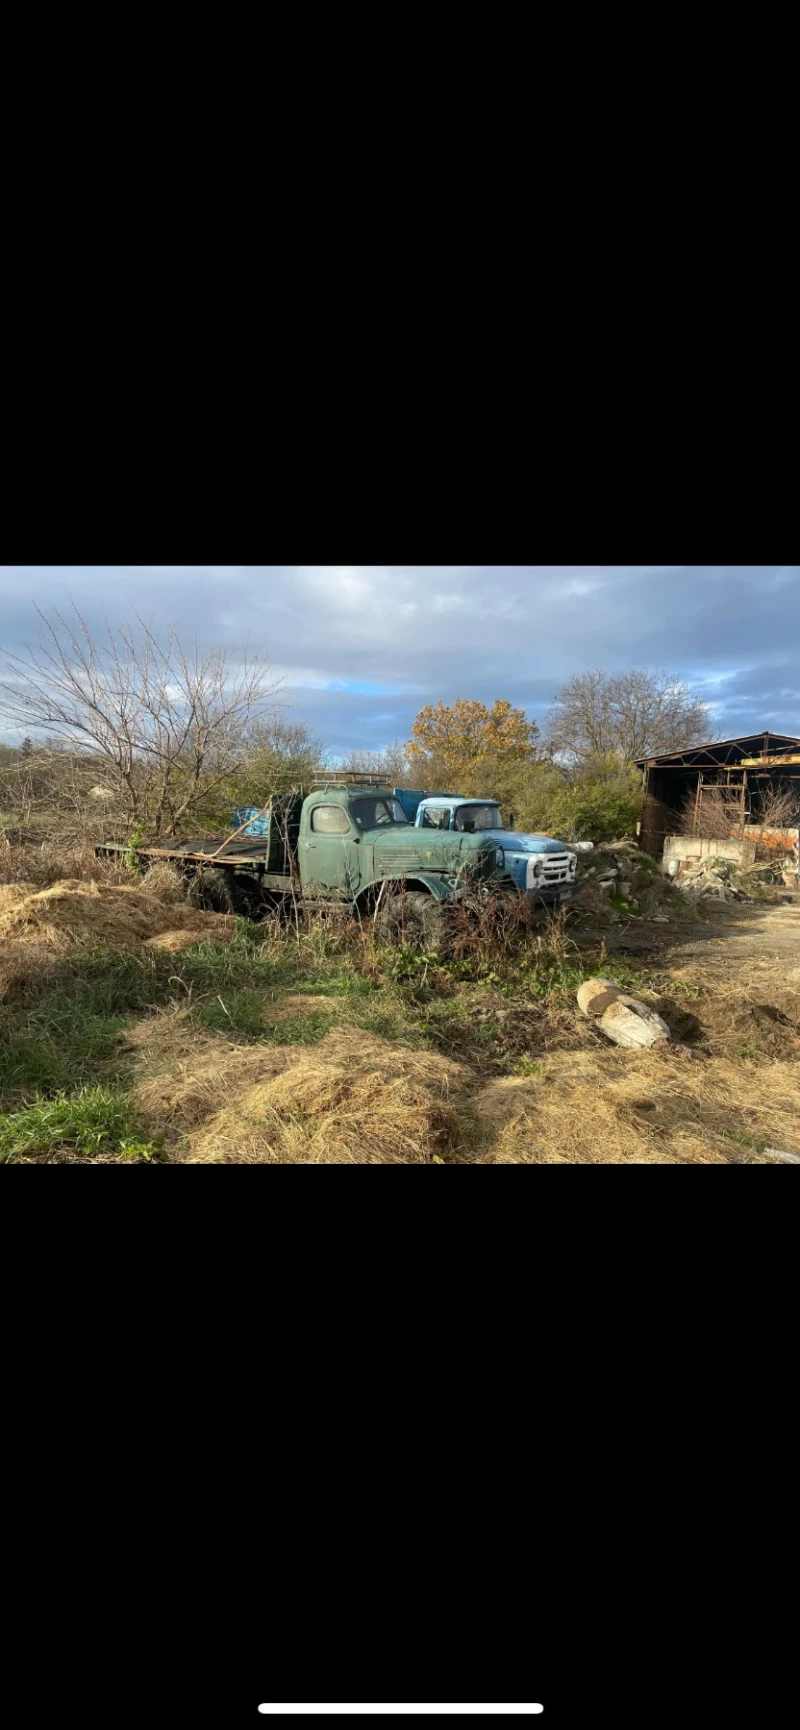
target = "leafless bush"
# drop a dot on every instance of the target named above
(780, 807)
(488, 927)
(164, 723)
(718, 816)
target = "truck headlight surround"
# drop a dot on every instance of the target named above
(499, 857)
(538, 868)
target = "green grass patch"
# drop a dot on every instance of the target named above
(239, 1012)
(339, 985)
(388, 1018)
(527, 1066)
(300, 1029)
(48, 1056)
(94, 1122)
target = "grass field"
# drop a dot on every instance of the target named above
(134, 1029)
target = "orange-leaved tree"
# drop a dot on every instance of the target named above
(463, 747)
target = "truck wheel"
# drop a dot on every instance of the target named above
(211, 891)
(416, 919)
(246, 896)
(218, 891)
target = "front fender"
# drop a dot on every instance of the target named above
(415, 880)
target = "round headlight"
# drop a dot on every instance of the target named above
(499, 856)
(538, 869)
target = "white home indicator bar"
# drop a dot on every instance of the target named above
(487, 1711)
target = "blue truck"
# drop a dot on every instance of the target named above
(537, 864)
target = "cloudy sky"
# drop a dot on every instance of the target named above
(360, 648)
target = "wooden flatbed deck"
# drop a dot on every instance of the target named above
(250, 850)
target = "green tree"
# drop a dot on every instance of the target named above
(277, 756)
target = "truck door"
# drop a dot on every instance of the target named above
(331, 853)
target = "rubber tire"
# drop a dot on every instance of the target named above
(210, 890)
(416, 919)
(246, 896)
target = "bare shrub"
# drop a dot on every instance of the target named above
(718, 817)
(488, 927)
(163, 723)
(780, 806)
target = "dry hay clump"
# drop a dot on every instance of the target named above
(75, 912)
(165, 882)
(41, 863)
(186, 1075)
(660, 1107)
(352, 1099)
(22, 961)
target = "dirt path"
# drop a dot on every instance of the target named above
(740, 940)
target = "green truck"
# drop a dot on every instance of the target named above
(345, 840)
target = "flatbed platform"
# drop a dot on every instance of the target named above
(250, 850)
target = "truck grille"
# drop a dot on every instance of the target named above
(556, 869)
(482, 864)
(388, 864)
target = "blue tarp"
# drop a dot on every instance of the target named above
(260, 826)
(408, 800)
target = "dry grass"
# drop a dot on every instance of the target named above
(166, 883)
(74, 913)
(185, 1075)
(20, 961)
(353, 1098)
(356, 1098)
(655, 1108)
(759, 1019)
(51, 860)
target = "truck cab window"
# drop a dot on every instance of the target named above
(369, 813)
(475, 817)
(329, 820)
(436, 819)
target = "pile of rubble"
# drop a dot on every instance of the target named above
(620, 881)
(719, 878)
(724, 880)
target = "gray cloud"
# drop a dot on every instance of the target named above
(361, 648)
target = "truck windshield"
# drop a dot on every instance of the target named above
(478, 817)
(369, 813)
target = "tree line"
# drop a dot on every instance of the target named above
(162, 734)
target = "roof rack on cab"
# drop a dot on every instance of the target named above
(324, 780)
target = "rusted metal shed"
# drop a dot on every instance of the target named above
(746, 767)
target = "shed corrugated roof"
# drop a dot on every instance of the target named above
(775, 739)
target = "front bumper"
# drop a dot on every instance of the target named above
(551, 895)
(546, 895)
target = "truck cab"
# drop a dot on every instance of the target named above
(537, 864)
(351, 840)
